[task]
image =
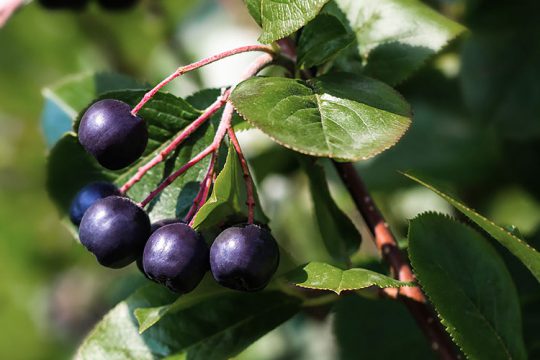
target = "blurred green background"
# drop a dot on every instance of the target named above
(476, 126)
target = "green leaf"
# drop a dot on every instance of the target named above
(281, 18)
(322, 39)
(227, 203)
(340, 235)
(529, 256)
(358, 328)
(216, 328)
(469, 286)
(254, 8)
(65, 99)
(343, 116)
(70, 167)
(321, 276)
(148, 316)
(395, 37)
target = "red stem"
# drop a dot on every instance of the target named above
(190, 129)
(184, 69)
(412, 297)
(202, 195)
(226, 118)
(247, 176)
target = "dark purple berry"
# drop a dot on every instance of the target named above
(244, 257)
(87, 196)
(117, 4)
(63, 4)
(114, 136)
(176, 256)
(157, 225)
(115, 230)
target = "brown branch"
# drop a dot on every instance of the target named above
(412, 297)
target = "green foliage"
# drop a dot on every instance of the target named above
(469, 286)
(331, 106)
(322, 39)
(340, 235)
(529, 256)
(395, 37)
(321, 276)
(342, 116)
(210, 329)
(281, 18)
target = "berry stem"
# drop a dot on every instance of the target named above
(226, 118)
(412, 297)
(190, 129)
(7, 9)
(185, 69)
(247, 176)
(204, 189)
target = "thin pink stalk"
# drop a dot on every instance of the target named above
(184, 69)
(202, 195)
(190, 129)
(7, 8)
(247, 176)
(220, 134)
(226, 118)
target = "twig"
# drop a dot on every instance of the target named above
(412, 297)
(226, 118)
(204, 188)
(184, 69)
(247, 176)
(190, 129)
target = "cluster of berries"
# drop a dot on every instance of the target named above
(81, 4)
(170, 252)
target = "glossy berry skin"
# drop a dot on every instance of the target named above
(156, 225)
(87, 196)
(176, 256)
(63, 4)
(117, 4)
(244, 257)
(115, 230)
(114, 136)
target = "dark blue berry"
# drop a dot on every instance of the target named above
(244, 257)
(114, 136)
(176, 256)
(115, 230)
(87, 196)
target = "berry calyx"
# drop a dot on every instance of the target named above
(244, 257)
(87, 196)
(114, 136)
(115, 230)
(176, 256)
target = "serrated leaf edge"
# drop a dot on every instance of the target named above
(452, 331)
